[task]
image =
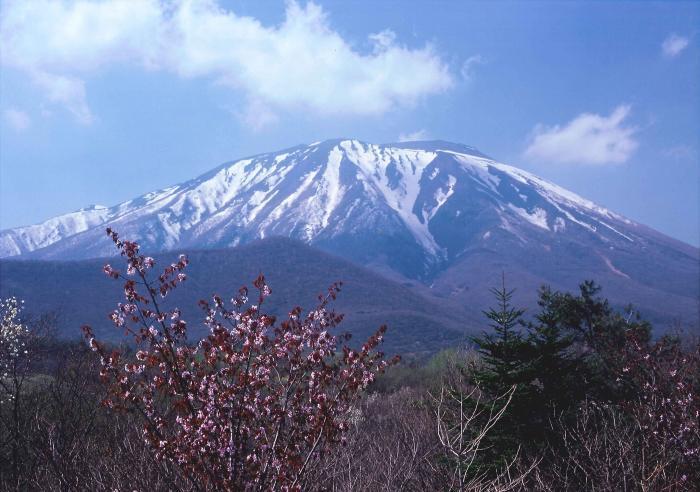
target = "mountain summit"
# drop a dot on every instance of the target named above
(435, 212)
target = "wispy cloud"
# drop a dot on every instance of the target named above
(66, 91)
(258, 115)
(300, 64)
(469, 65)
(680, 152)
(587, 139)
(673, 45)
(414, 136)
(17, 119)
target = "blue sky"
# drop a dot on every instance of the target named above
(101, 102)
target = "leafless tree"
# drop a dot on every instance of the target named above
(461, 430)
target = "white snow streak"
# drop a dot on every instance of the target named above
(410, 164)
(538, 217)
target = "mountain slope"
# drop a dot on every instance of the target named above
(81, 293)
(437, 213)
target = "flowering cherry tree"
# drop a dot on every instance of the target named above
(251, 406)
(667, 408)
(13, 341)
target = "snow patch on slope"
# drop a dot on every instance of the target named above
(537, 217)
(479, 168)
(410, 164)
(616, 231)
(441, 196)
(331, 180)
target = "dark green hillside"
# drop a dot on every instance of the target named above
(297, 273)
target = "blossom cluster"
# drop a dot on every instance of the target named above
(668, 403)
(254, 403)
(13, 334)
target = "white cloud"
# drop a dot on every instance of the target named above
(382, 40)
(17, 119)
(467, 71)
(301, 64)
(673, 45)
(67, 91)
(414, 136)
(258, 115)
(587, 139)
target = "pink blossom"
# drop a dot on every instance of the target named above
(252, 395)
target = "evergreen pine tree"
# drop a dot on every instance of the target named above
(557, 373)
(597, 336)
(504, 365)
(503, 350)
(566, 354)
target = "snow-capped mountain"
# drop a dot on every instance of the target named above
(421, 192)
(436, 212)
